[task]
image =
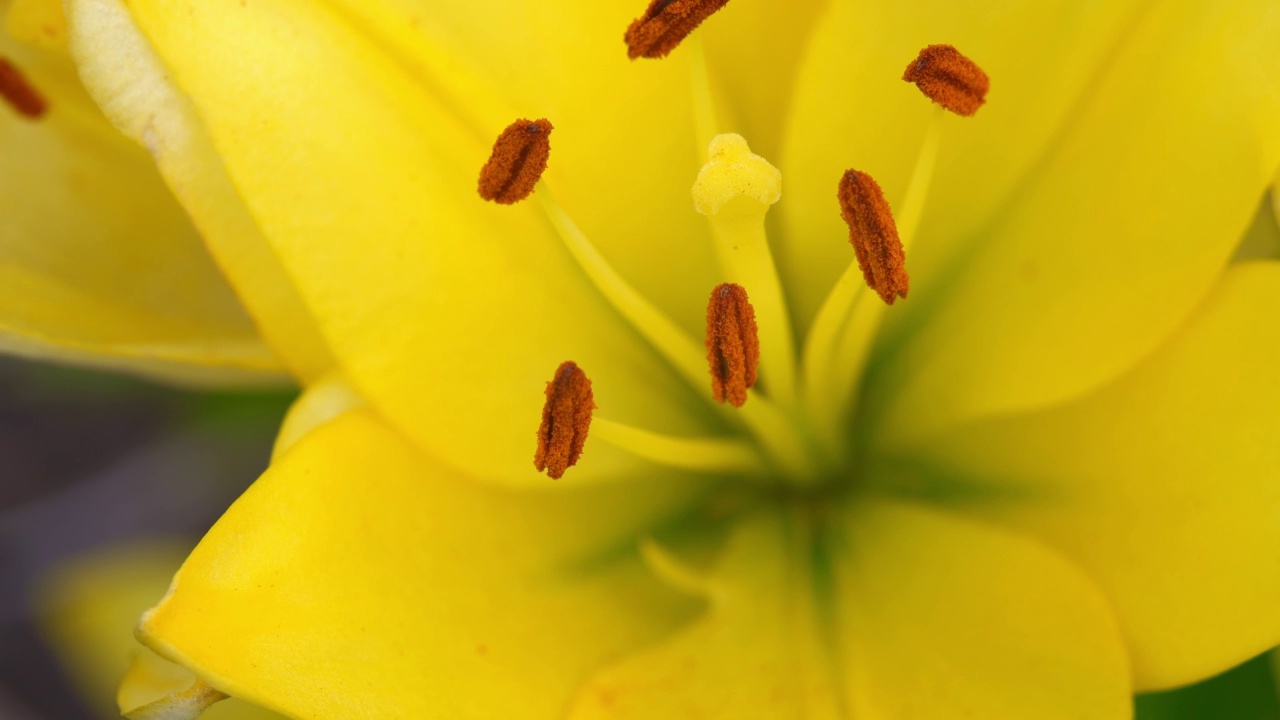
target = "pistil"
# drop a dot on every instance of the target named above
(734, 190)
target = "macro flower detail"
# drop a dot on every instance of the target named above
(566, 420)
(14, 88)
(874, 235)
(733, 343)
(518, 160)
(665, 23)
(948, 78)
(964, 505)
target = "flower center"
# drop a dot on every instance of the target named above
(792, 429)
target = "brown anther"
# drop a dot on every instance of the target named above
(874, 235)
(518, 160)
(950, 79)
(19, 93)
(566, 418)
(733, 343)
(665, 24)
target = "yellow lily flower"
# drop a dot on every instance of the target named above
(1042, 482)
(99, 264)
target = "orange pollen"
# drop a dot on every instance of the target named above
(18, 92)
(733, 343)
(566, 418)
(665, 24)
(874, 235)
(950, 79)
(517, 162)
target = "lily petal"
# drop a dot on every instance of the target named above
(625, 152)
(1117, 236)
(357, 578)
(100, 266)
(896, 612)
(941, 617)
(132, 85)
(852, 109)
(754, 653)
(1163, 485)
(754, 53)
(437, 304)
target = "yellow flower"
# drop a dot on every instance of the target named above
(1043, 482)
(99, 265)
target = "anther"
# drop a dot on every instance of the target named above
(874, 235)
(733, 344)
(950, 79)
(19, 93)
(518, 160)
(665, 24)
(566, 418)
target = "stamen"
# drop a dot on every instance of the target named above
(949, 79)
(702, 454)
(665, 24)
(845, 325)
(518, 160)
(19, 93)
(735, 190)
(775, 433)
(874, 235)
(566, 418)
(733, 345)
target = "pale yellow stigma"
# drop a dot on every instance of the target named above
(735, 189)
(734, 172)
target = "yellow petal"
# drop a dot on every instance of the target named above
(89, 607)
(450, 314)
(1119, 233)
(896, 612)
(754, 51)
(357, 578)
(133, 87)
(944, 618)
(756, 652)
(624, 151)
(1162, 485)
(98, 263)
(852, 110)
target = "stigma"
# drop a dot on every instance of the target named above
(874, 235)
(19, 93)
(566, 419)
(665, 23)
(733, 344)
(518, 159)
(949, 78)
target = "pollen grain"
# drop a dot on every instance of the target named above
(949, 78)
(517, 162)
(19, 93)
(733, 344)
(874, 235)
(566, 418)
(665, 24)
